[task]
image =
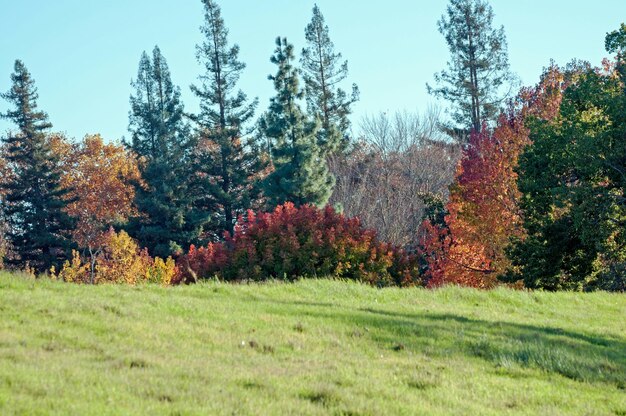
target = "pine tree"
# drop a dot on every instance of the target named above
(478, 79)
(168, 221)
(301, 175)
(323, 71)
(39, 229)
(232, 164)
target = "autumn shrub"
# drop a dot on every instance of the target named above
(74, 271)
(293, 242)
(120, 260)
(162, 271)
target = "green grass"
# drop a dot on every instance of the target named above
(314, 347)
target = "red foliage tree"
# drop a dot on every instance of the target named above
(483, 210)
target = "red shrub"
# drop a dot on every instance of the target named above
(303, 242)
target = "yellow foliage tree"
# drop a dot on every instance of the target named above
(120, 261)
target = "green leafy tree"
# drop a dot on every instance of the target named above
(300, 173)
(573, 181)
(231, 163)
(478, 79)
(323, 71)
(616, 43)
(168, 220)
(39, 229)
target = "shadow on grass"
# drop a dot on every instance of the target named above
(579, 356)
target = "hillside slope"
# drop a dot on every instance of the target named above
(314, 347)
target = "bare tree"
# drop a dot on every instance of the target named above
(398, 160)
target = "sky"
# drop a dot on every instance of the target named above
(83, 54)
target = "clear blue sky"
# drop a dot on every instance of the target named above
(83, 53)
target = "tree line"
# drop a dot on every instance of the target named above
(502, 191)
(193, 175)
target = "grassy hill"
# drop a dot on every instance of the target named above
(314, 347)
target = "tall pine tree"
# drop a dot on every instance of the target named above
(323, 71)
(300, 172)
(231, 164)
(39, 229)
(168, 220)
(478, 79)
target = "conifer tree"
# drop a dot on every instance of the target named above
(478, 79)
(39, 229)
(323, 71)
(300, 172)
(232, 164)
(168, 220)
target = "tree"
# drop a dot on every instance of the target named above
(121, 261)
(100, 178)
(384, 178)
(232, 165)
(478, 80)
(167, 219)
(574, 183)
(323, 71)
(483, 213)
(38, 225)
(300, 173)
(616, 43)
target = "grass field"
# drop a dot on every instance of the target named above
(314, 347)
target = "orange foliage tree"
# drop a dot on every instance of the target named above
(482, 215)
(99, 177)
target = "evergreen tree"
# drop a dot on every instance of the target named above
(300, 173)
(323, 71)
(39, 229)
(231, 164)
(168, 220)
(478, 79)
